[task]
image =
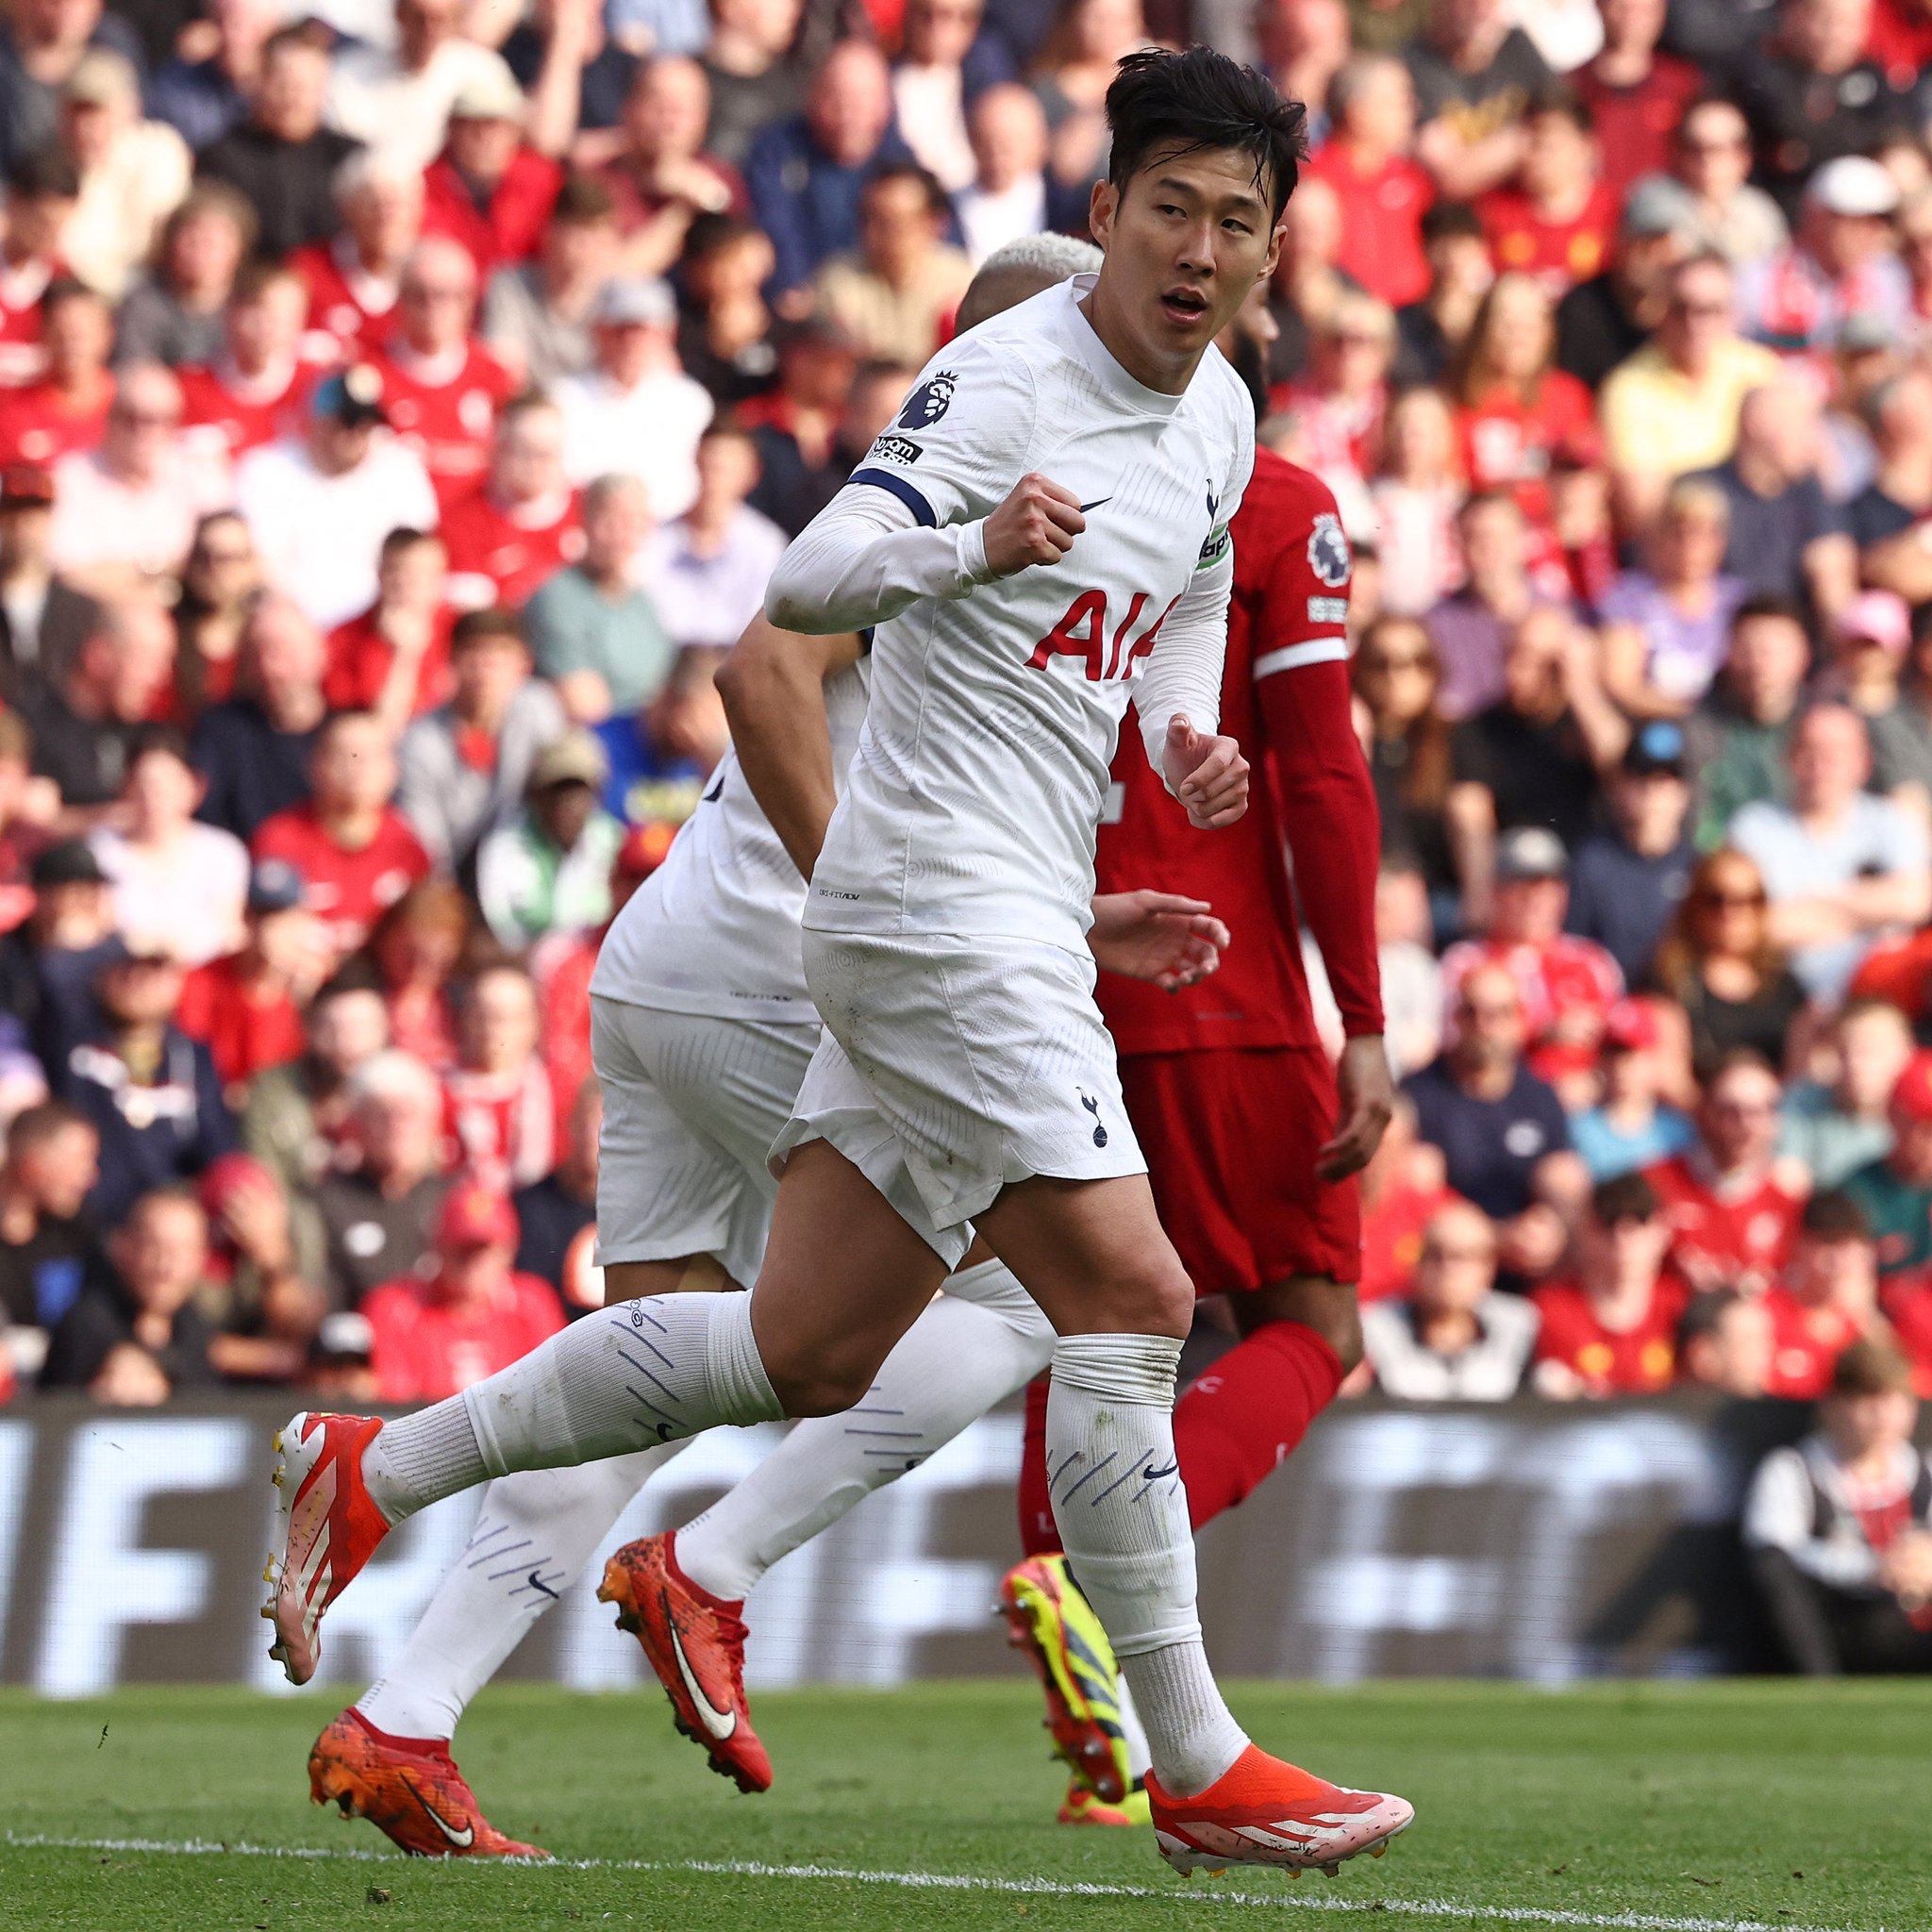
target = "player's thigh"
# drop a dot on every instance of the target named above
(1331, 1308)
(630, 1281)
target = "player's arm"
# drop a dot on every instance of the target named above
(773, 690)
(1177, 699)
(1161, 937)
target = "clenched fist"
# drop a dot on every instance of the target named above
(1037, 524)
(1208, 774)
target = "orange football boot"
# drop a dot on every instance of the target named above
(330, 1528)
(695, 1643)
(408, 1788)
(1261, 1811)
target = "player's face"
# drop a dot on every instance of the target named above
(1185, 239)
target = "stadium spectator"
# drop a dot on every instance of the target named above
(1635, 93)
(277, 153)
(1474, 72)
(49, 964)
(145, 1300)
(132, 172)
(353, 280)
(1430, 329)
(1834, 1128)
(150, 1090)
(1384, 192)
(1411, 976)
(1886, 516)
(1415, 497)
(393, 659)
(636, 411)
(1895, 1191)
(84, 725)
(396, 99)
(207, 87)
(1839, 866)
(1825, 1300)
(47, 1242)
(724, 338)
(464, 767)
(378, 1213)
(66, 408)
(797, 425)
(748, 64)
(221, 579)
(662, 757)
(556, 1217)
(1724, 1344)
(489, 190)
(265, 1261)
(418, 949)
(1555, 216)
(707, 568)
(1738, 736)
(1611, 1328)
(932, 86)
(179, 886)
(536, 317)
(258, 388)
(1631, 1126)
(593, 633)
(520, 524)
(499, 1114)
(253, 748)
(1009, 194)
(41, 190)
(895, 294)
(40, 48)
(663, 177)
(550, 870)
(1838, 1527)
(1731, 1209)
(1707, 195)
(472, 1314)
(174, 313)
(44, 619)
(1468, 629)
(1407, 743)
(1674, 405)
(1607, 317)
(1867, 642)
(297, 1120)
(1454, 1338)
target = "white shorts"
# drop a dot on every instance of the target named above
(954, 1066)
(691, 1106)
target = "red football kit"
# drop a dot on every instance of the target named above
(446, 412)
(40, 423)
(1506, 442)
(426, 1350)
(360, 657)
(498, 556)
(350, 314)
(1634, 124)
(1805, 1343)
(1567, 989)
(347, 891)
(236, 414)
(505, 230)
(1381, 222)
(502, 1128)
(1558, 254)
(1638, 1361)
(246, 1030)
(22, 359)
(1724, 1234)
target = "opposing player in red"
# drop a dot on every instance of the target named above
(1252, 1139)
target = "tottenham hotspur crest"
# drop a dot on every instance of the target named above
(928, 402)
(1328, 555)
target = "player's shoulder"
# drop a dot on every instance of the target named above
(1280, 488)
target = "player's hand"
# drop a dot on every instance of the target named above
(1158, 937)
(1368, 1099)
(1208, 774)
(1037, 524)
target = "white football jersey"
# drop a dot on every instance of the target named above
(714, 930)
(983, 763)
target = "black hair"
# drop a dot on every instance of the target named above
(1446, 221)
(167, 739)
(1182, 104)
(44, 171)
(937, 204)
(1556, 98)
(583, 198)
(477, 626)
(1705, 1314)
(1629, 1197)
(1836, 1216)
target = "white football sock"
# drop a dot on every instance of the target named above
(1123, 1517)
(535, 1531)
(979, 1340)
(1133, 1733)
(628, 1377)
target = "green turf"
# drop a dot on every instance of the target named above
(1789, 1803)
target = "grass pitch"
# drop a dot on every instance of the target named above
(1662, 1807)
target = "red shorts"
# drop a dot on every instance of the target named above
(1230, 1136)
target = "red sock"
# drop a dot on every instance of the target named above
(1039, 1534)
(1247, 1412)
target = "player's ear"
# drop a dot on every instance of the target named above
(1101, 210)
(1275, 239)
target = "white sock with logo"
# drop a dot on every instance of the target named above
(535, 1532)
(628, 1377)
(1123, 1517)
(981, 1339)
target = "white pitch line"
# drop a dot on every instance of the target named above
(967, 1881)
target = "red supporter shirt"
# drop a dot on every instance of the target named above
(1900, 41)
(236, 415)
(1558, 254)
(505, 230)
(360, 657)
(1285, 699)
(1572, 982)
(1381, 222)
(22, 357)
(501, 1127)
(347, 891)
(446, 415)
(1636, 1363)
(38, 423)
(1907, 1307)
(498, 556)
(1805, 1343)
(340, 303)
(1634, 124)
(247, 1029)
(1392, 1230)
(1724, 1235)
(1505, 443)
(422, 1350)
(562, 966)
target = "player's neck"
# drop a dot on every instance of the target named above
(1165, 377)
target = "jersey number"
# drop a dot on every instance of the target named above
(1082, 633)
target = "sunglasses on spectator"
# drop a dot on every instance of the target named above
(1723, 900)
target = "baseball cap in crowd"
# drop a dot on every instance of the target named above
(473, 1216)
(490, 94)
(1853, 185)
(1654, 206)
(275, 886)
(575, 758)
(1530, 851)
(1876, 617)
(639, 302)
(1658, 746)
(352, 397)
(67, 863)
(1911, 1097)
(643, 850)
(102, 78)
(25, 486)
(1630, 1027)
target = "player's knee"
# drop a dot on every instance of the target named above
(1157, 1298)
(1331, 1308)
(818, 1382)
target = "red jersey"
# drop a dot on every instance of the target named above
(424, 1350)
(1908, 1307)
(1392, 1231)
(247, 1029)
(233, 414)
(499, 555)
(40, 423)
(360, 657)
(1900, 41)
(350, 316)
(562, 965)
(446, 415)
(502, 1128)
(1805, 1343)
(1381, 222)
(1634, 124)
(347, 891)
(505, 230)
(1507, 443)
(22, 359)
(1558, 254)
(1724, 1234)
(1567, 989)
(1285, 700)
(1640, 1361)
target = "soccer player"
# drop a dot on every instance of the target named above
(965, 1079)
